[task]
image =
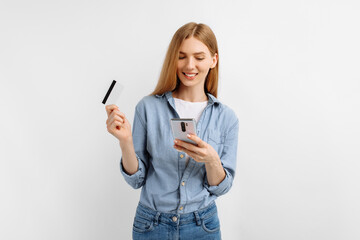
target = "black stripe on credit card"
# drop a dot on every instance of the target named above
(109, 91)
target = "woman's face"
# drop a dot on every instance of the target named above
(194, 62)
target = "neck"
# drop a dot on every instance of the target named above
(190, 94)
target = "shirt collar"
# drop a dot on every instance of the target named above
(169, 96)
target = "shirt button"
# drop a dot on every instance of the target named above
(181, 208)
(174, 218)
(183, 183)
(181, 155)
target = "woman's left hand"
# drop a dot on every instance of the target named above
(202, 152)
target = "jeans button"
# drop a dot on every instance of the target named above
(174, 218)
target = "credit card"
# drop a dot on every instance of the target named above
(113, 93)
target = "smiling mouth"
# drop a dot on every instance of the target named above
(190, 75)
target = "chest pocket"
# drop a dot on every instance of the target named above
(216, 140)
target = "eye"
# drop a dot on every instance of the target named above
(181, 57)
(200, 59)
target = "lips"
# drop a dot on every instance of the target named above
(190, 76)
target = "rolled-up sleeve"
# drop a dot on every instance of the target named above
(139, 133)
(135, 180)
(228, 160)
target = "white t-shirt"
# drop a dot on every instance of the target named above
(187, 109)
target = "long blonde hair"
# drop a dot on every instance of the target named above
(168, 80)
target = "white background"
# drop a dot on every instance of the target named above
(289, 69)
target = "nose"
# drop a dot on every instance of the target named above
(190, 64)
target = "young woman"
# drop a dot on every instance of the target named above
(180, 181)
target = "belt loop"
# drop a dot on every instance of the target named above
(156, 220)
(197, 218)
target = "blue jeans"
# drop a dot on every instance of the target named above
(202, 224)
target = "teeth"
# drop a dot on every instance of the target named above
(190, 75)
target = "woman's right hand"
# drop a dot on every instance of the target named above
(117, 124)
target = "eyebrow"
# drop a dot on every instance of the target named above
(197, 53)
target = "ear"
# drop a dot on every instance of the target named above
(214, 60)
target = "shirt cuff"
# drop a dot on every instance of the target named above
(220, 189)
(134, 180)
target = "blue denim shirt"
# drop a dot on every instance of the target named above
(168, 184)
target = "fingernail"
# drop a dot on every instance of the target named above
(188, 136)
(175, 141)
